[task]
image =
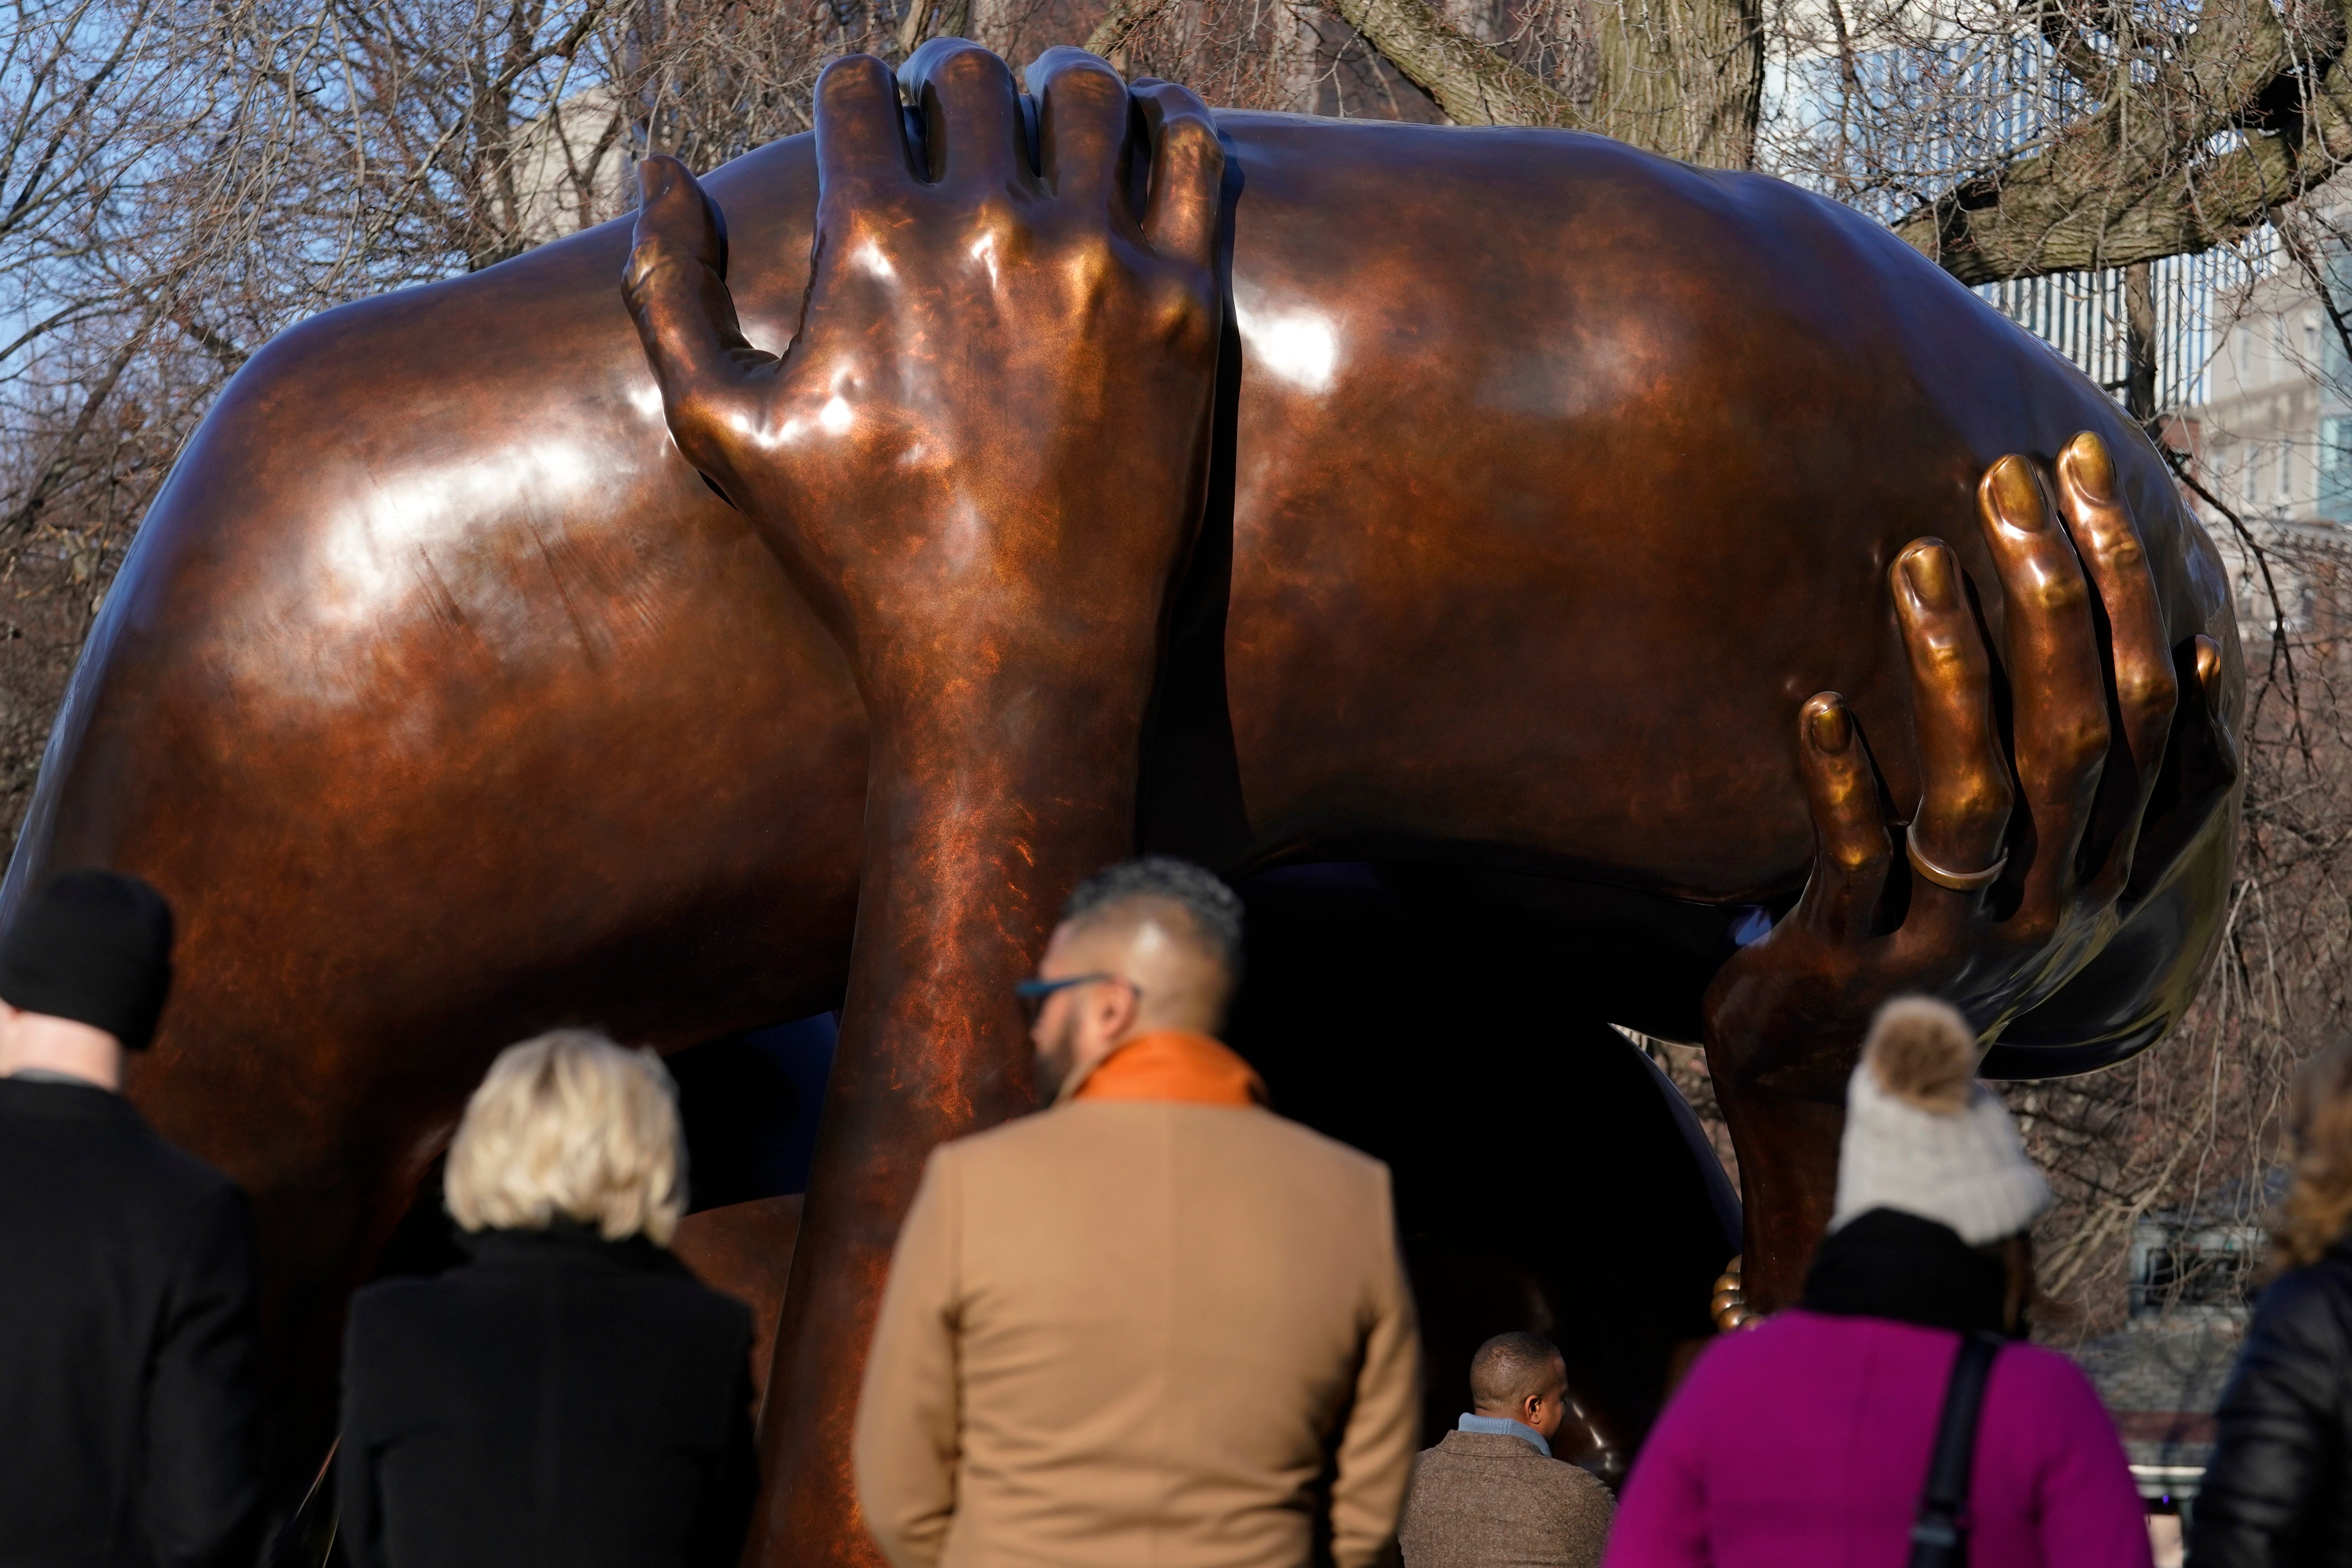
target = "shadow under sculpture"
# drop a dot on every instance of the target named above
(1548, 482)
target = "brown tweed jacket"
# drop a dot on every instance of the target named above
(1480, 1499)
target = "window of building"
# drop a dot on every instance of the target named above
(2286, 473)
(2336, 467)
(2198, 1272)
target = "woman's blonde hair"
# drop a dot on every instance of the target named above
(2318, 1203)
(571, 1126)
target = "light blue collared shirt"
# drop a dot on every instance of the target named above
(1504, 1427)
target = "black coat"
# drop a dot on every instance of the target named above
(2279, 1491)
(126, 1341)
(560, 1401)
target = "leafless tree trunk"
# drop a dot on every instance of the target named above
(2139, 342)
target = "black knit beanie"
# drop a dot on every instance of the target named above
(95, 947)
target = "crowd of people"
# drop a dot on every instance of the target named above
(1154, 1323)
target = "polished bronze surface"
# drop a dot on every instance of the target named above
(982, 460)
(746, 1250)
(1547, 482)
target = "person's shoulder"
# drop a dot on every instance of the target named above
(1091, 1123)
(1766, 1342)
(200, 1187)
(1008, 1146)
(2044, 1391)
(989, 1142)
(711, 1316)
(163, 1173)
(2308, 1304)
(1438, 1458)
(389, 1311)
(1564, 1476)
(1571, 1487)
(1485, 1463)
(1311, 1166)
(179, 1195)
(1320, 1147)
(2041, 1364)
(401, 1296)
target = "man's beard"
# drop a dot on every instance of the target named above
(1057, 1056)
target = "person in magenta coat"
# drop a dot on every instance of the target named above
(1804, 1441)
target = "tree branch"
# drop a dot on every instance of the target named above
(2140, 178)
(1470, 79)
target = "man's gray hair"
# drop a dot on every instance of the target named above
(1214, 908)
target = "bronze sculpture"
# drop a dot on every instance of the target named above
(1547, 481)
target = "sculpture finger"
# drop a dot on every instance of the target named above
(1188, 173)
(1965, 796)
(861, 141)
(1851, 849)
(972, 115)
(2223, 766)
(675, 289)
(2057, 681)
(2147, 689)
(1082, 118)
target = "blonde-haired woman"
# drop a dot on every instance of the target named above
(2279, 1490)
(571, 1395)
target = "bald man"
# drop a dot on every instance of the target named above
(1156, 1323)
(1491, 1494)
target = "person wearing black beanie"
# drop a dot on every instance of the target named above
(127, 1319)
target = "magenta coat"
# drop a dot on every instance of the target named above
(1803, 1443)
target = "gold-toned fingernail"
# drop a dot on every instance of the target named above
(1832, 727)
(1929, 572)
(2016, 496)
(2091, 467)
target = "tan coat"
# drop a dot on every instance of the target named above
(1129, 1335)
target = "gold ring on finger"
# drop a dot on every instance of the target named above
(1959, 881)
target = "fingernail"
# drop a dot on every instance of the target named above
(1929, 572)
(2017, 497)
(2090, 466)
(1832, 728)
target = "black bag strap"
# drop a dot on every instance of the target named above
(1940, 1537)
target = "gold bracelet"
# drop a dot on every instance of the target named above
(1959, 881)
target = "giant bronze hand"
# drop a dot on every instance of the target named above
(2016, 865)
(982, 458)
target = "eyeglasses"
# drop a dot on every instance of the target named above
(1034, 993)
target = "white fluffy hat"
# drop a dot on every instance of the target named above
(1922, 1135)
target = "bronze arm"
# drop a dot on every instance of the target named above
(981, 457)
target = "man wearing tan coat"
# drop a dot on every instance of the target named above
(1155, 1324)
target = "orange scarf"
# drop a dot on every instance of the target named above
(1174, 1065)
